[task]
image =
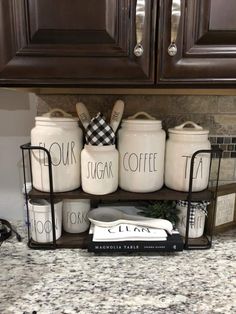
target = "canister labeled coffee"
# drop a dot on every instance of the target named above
(141, 145)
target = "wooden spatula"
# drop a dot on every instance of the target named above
(116, 114)
(83, 114)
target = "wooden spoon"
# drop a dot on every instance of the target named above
(116, 114)
(83, 114)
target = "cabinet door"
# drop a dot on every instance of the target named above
(76, 42)
(206, 43)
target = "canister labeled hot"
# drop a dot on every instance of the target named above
(141, 145)
(40, 218)
(75, 212)
(99, 169)
(183, 142)
(62, 137)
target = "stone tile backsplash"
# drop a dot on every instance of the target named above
(216, 113)
(226, 143)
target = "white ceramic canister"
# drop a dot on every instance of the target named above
(141, 145)
(74, 214)
(40, 218)
(99, 169)
(63, 138)
(182, 143)
(196, 230)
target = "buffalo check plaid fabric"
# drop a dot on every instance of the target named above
(99, 133)
(202, 205)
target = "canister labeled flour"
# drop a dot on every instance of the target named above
(62, 137)
(99, 169)
(182, 143)
(141, 145)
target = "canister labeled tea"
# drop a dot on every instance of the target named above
(62, 137)
(141, 145)
(182, 143)
(99, 169)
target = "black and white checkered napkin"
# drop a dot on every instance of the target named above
(193, 207)
(98, 132)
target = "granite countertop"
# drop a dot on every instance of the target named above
(75, 281)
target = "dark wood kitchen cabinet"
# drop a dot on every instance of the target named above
(206, 43)
(77, 42)
(91, 43)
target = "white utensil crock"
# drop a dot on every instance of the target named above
(41, 220)
(180, 146)
(195, 231)
(99, 169)
(141, 145)
(75, 212)
(63, 138)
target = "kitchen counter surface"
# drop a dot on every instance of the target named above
(75, 281)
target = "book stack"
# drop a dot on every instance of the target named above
(132, 238)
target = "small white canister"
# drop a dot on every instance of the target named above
(99, 169)
(62, 137)
(75, 213)
(141, 145)
(198, 216)
(183, 142)
(40, 217)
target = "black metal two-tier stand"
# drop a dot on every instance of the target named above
(70, 240)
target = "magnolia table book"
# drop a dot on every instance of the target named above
(131, 238)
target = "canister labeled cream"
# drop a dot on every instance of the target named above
(182, 143)
(141, 145)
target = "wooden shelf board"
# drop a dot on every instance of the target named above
(73, 240)
(198, 243)
(66, 241)
(120, 195)
(80, 241)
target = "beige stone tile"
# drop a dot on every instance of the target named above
(206, 121)
(213, 183)
(193, 104)
(226, 124)
(94, 103)
(172, 110)
(227, 169)
(154, 105)
(226, 182)
(227, 104)
(214, 169)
